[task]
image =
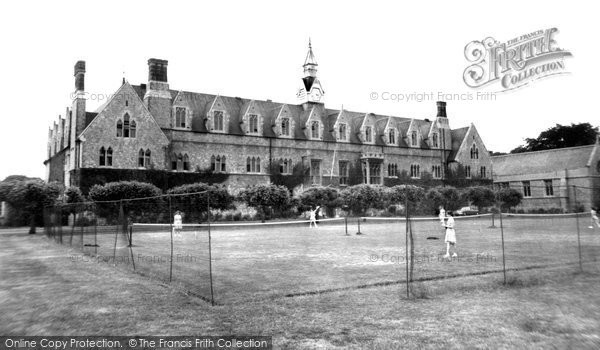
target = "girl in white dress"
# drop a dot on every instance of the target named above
(313, 217)
(450, 236)
(177, 224)
(594, 218)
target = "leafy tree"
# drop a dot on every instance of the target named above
(452, 199)
(402, 194)
(359, 198)
(266, 198)
(30, 197)
(560, 136)
(508, 197)
(193, 199)
(327, 197)
(480, 196)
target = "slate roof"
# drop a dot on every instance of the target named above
(542, 161)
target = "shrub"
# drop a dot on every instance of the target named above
(29, 198)
(193, 200)
(110, 197)
(266, 198)
(327, 197)
(508, 197)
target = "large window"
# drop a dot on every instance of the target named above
(314, 130)
(218, 121)
(483, 172)
(180, 117)
(342, 132)
(549, 188)
(474, 152)
(180, 162)
(119, 128)
(436, 171)
(344, 172)
(468, 171)
(253, 124)
(315, 171)
(392, 169)
(526, 189)
(144, 158)
(375, 173)
(127, 127)
(217, 164)
(285, 166)
(285, 126)
(105, 158)
(253, 165)
(415, 171)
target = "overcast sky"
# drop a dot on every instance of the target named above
(255, 49)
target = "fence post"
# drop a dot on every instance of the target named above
(131, 246)
(95, 230)
(503, 256)
(578, 231)
(358, 221)
(212, 298)
(346, 223)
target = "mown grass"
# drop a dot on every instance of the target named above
(45, 293)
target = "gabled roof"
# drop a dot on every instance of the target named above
(542, 161)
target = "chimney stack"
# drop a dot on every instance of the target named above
(79, 76)
(157, 70)
(441, 107)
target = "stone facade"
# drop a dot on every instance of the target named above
(186, 131)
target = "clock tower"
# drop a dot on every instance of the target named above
(310, 89)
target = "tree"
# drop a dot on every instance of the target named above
(359, 198)
(508, 197)
(327, 197)
(402, 194)
(480, 196)
(30, 197)
(560, 136)
(264, 197)
(140, 201)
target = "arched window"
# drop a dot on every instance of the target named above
(253, 165)
(102, 159)
(413, 138)
(368, 134)
(147, 157)
(119, 128)
(141, 158)
(434, 140)
(179, 117)
(248, 165)
(258, 165)
(468, 171)
(126, 125)
(392, 137)
(253, 124)
(415, 171)
(285, 127)
(132, 129)
(218, 120)
(343, 135)
(186, 162)
(109, 154)
(474, 152)
(223, 167)
(179, 161)
(213, 165)
(314, 130)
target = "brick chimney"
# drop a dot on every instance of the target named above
(78, 108)
(158, 97)
(441, 109)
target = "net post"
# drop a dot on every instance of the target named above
(60, 227)
(212, 298)
(171, 225)
(95, 229)
(577, 223)
(358, 221)
(503, 255)
(117, 228)
(346, 223)
(131, 246)
(406, 246)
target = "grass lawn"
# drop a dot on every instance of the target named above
(262, 262)
(44, 292)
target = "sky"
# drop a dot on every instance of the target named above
(255, 49)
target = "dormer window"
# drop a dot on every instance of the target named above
(180, 117)
(434, 140)
(342, 132)
(368, 134)
(218, 121)
(285, 126)
(253, 124)
(314, 130)
(392, 137)
(413, 138)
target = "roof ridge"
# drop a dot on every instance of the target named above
(544, 150)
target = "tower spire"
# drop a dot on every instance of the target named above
(310, 63)
(311, 89)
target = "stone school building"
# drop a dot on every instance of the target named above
(151, 126)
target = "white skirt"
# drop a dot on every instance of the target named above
(450, 236)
